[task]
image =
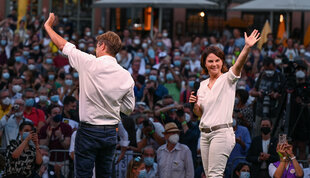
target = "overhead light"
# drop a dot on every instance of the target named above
(202, 14)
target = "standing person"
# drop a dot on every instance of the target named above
(214, 104)
(106, 89)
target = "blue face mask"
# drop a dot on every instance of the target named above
(147, 71)
(3, 42)
(153, 77)
(169, 76)
(142, 174)
(36, 48)
(26, 53)
(29, 102)
(25, 135)
(49, 61)
(18, 58)
(140, 54)
(191, 83)
(177, 53)
(187, 66)
(51, 77)
(75, 75)
(177, 63)
(140, 126)
(6, 75)
(68, 82)
(55, 98)
(159, 44)
(149, 161)
(244, 175)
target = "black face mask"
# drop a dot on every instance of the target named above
(265, 130)
(62, 75)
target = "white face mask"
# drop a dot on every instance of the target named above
(300, 74)
(18, 114)
(45, 159)
(174, 139)
(302, 51)
(6, 101)
(278, 61)
(187, 117)
(88, 33)
(229, 61)
(165, 35)
(16, 88)
(269, 73)
(136, 41)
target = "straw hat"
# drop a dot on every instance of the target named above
(171, 127)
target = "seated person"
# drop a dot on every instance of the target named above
(23, 155)
(242, 170)
(136, 168)
(288, 166)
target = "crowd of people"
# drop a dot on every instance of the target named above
(39, 102)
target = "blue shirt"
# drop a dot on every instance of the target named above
(238, 151)
(240, 42)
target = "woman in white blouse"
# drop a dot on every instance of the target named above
(214, 104)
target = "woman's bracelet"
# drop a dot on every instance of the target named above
(292, 158)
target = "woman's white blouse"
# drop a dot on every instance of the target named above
(217, 103)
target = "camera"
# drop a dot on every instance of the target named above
(34, 130)
(266, 102)
(16, 107)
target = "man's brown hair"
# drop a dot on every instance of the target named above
(112, 41)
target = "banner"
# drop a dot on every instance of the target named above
(266, 30)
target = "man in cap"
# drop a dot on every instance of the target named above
(174, 159)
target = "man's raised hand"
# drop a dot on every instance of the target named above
(50, 21)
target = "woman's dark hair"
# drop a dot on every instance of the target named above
(23, 124)
(216, 51)
(243, 94)
(238, 168)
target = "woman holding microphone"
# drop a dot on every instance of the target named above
(214, 104)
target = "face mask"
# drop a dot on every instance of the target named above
(61, 31)
(26, 53)
(29, 102)
(187, 66)
(6, 75)
(269, 73)
(153, 77)
(45, 159)
(75, 75)
(177, 72)
(65, 20)
(49, 61)
(51, 77)
(144, 45)
(57, 118)
(191, 83)
(81, 45)
(62, 75)
(31, 67)
(244, 175)
(241, 87)
(187, 117)
(68, 82)
(165, 35)
(234, 123)
(265, 130)
(43, 98)
(100, 32)
(229, 61)
(140, 54)
(3, 42)
(55, 98)
(91, 49)
(278, 61)
(6, 101)
(136, 41)
(169, 76)
(88, 33)
(25, 135)
(16, 88)
(237, 53)
(174, 139)
(177, 63)
(140, 126)
(73, 37)
(177, 53)
(18, 58)
(19, 114)
(142, 174)
(269, 46)
(302, 51)
(236, 101)
(206, 43)
(36, 48)
(66, 38)
(147, 71)
(26, 36)
(300, 74)
(159, 44)
(149, 161)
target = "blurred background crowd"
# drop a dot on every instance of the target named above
(38, 86)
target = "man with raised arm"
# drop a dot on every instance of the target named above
(106, 89)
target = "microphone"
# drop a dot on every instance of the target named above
(195, 90)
